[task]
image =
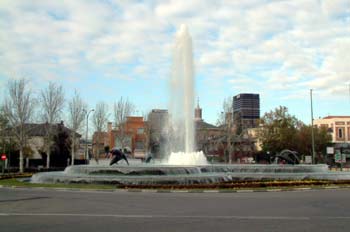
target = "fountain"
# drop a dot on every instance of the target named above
(181, 125)
(184, 165)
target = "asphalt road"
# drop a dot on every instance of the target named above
(52, 210)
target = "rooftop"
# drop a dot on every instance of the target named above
(330, 117)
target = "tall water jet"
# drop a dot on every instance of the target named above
(182, 94)
(182, 129)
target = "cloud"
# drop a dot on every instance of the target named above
(287, 44)
(214, 58)
(336, 8)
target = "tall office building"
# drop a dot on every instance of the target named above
(246, 111)
(158, 126)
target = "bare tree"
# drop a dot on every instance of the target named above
(77, 111)
(18, 108)
(52, 101)
(227, 107)
(226, 121)
(99, 120)
(122, 109)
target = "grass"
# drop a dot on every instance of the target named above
(17, 183)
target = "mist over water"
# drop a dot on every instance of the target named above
(181, 122)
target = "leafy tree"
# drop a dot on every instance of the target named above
(60, 150)
(304, 143)
(280, 130)
(284, 131)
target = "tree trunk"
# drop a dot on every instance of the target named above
(97, 155)
(72, 150)
(48, 152)
(21, 160)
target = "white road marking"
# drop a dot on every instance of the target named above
(156, 216)
(291, 218)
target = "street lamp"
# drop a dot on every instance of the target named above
(86, 135)
(312, 130)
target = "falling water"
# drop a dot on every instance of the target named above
(182, 93)
(182, 130)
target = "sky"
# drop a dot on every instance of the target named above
(110, 49)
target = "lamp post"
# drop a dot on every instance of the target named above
(86, 135)
(312, 130)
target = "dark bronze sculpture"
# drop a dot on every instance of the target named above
(290, 157)
(117, 156)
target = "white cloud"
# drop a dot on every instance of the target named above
(335, 8)
(214, 58)
(294, 44)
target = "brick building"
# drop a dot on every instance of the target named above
(132, 136)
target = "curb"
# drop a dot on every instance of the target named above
(296, 189)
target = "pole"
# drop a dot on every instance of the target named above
(341, 159)
(230, 139)
(312, 130)
(86, 135)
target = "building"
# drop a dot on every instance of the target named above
(246, 111)
(253, 135)
(131, 135)
(157, 126)
(337, 126)
(35, 150)
(204, 131)
(99, 141)
(158, 120)
(136, 127)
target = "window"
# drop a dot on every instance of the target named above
(139, 145)
(140, 131)
(340, 133)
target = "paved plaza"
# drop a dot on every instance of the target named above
(68, 210)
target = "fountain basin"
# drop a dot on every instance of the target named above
(144, 174)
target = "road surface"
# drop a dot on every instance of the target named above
(67, 210)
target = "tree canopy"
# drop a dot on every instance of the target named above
(281, 130)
